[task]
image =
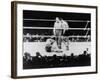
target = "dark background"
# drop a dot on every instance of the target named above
(28, 14)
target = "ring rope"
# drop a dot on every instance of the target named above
(87, 33)
(55, 36)
(55, 20)
(53, 28)
(85, 29)
(86, 25)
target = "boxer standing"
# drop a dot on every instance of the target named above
(58, 32)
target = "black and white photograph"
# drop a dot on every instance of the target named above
(54, 39)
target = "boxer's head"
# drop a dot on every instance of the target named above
(57, 19)
(61, 19)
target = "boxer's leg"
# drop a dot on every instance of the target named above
(59, 39)
(67, 46)
(57, 36)
(66, 41)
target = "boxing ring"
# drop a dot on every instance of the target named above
(74, 47)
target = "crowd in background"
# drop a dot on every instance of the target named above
(39, 61)
(43, 38)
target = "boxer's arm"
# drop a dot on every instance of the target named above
(66, 26)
